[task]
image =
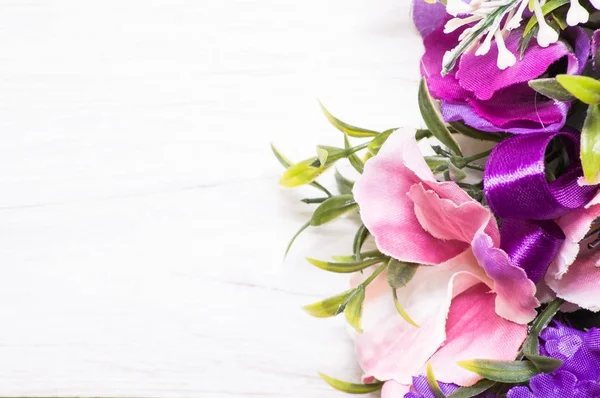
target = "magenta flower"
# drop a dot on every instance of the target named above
(495, 100)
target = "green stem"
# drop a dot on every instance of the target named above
(375, 274)
(314, 200)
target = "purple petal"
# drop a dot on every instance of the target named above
(428, 17)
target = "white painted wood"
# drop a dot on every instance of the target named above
(141, 225)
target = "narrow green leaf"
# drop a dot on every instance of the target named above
(331, 306)
(333, 208)
(353, 311)
(468, 131)
(289, 246)
(433, 383)
(590, 144)
(469, 392)
(526, 40)
(531, 344)
(285, 162)
(377, 142)
(544, 364)
(359, 240)
(344, 185)
(585, 89)
(301, 173)
(351, 388)
(546, 9)
(346, 128)
(359, 257)
(433, 119)
(436, 162)
(401, 310)
(400, 273)
(345, 267)
(322, 155)
(353, 157)
(551, 88)
(501, 371)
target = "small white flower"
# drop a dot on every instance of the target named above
(577, 14)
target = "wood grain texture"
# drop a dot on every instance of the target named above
(141, 225)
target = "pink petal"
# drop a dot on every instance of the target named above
(445, 219)
(515, 293)
(387, 211)
(393, 389)
(474, 331)
(581, 283)
(575, 225)
(389, 347)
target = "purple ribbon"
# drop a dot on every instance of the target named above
(515, 184)
(516, 189)
(531, 244)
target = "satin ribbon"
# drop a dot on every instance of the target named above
(515, 184)
(516, 190)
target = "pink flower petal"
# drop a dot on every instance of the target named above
(393, 389)
(581, 283)
(445, 219)
(515, 293)
(389, 347)
(474, 331)
(575, 225)
(387, 211)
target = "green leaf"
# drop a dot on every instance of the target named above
(333, 208)
(544, 364)
(400, 273)
(433, 384)
(468, 131)
(344, 185)
(546, 9)
(585, 89)
(469, 392)
(401, 310)
(531, 344)
(329, 154)
(353, 157)
(377, 142)
(435, 162)
(345, 267)
(502, 371)
(289, 246)
(551, 88)
(331, 306)
(433, 119)
(285, 162)
(590, 144)
(525, 40)
(457, 173)
(351, 388)
(359, 257)
(345, 128)
(301, 173)
(359, 240)
(353, 311)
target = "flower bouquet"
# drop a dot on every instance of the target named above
(482, 278)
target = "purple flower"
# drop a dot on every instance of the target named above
(421, 389)
(488, 98)
(580, 372)
(561, 384)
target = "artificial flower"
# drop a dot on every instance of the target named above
(414, 218)
(495, 100)
(575, 273)
(579, 373)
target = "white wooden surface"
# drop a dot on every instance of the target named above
(141, 225)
